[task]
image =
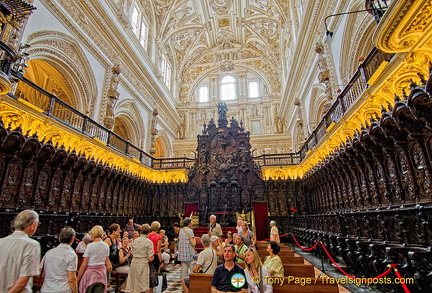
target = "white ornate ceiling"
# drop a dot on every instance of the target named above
(203, 36)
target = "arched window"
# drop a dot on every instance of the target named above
(203, 94)
(139, 26)
(166, 71)
(253, 89)
(228, 88)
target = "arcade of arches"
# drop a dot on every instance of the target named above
(122, 109)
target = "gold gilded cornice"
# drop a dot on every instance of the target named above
(395, 80)
(16, 114)
(406, 25)
(282, 172)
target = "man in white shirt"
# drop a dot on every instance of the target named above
(20, 254)
(60, 265)
(214, 228)
(206, 263)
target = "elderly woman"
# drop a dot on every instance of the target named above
(215, 244)
(256, 271)
(142, 249)
(95, 263)
(274, 232)
(273, 262)
(206, 262)
(125, 257)
(83, 244)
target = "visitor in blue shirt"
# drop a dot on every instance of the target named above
(229, 277)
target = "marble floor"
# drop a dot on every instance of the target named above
(173, 278)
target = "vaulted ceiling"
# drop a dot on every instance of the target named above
(201, 36)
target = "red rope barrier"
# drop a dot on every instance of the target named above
(269, 238)
(348, 275)
(305, 249)
(401, 280)
(385, 273)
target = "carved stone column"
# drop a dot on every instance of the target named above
(112, 98)
(153, 131)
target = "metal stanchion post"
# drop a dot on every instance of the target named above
(322, 257)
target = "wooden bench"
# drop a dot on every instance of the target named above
(282, 253)
(292, 260)
(118, 279)
(263, 246)
(289, 260)
(315, 286)
(299, 270)
(200, 283)
(295, 270)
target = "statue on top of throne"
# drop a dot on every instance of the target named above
(222, 109)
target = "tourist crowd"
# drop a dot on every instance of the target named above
(141, 253)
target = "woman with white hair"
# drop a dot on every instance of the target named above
(216, 245)
(142, 249)
(274, 232)
(83, 244)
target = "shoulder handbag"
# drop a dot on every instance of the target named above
(164, 282)
(191, 239)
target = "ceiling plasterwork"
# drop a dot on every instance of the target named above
(203, 35)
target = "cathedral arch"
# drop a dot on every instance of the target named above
(319, 104)
(128, 122)
(162, 146)
(357, 34)
(61, 58)
(298, 136)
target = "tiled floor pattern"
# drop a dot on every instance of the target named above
(173, 278)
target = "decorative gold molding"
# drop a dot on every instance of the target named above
(406, 25)
(369, 103)
(5, 84)
(31, 121)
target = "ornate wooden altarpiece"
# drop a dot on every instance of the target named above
(224, 179)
